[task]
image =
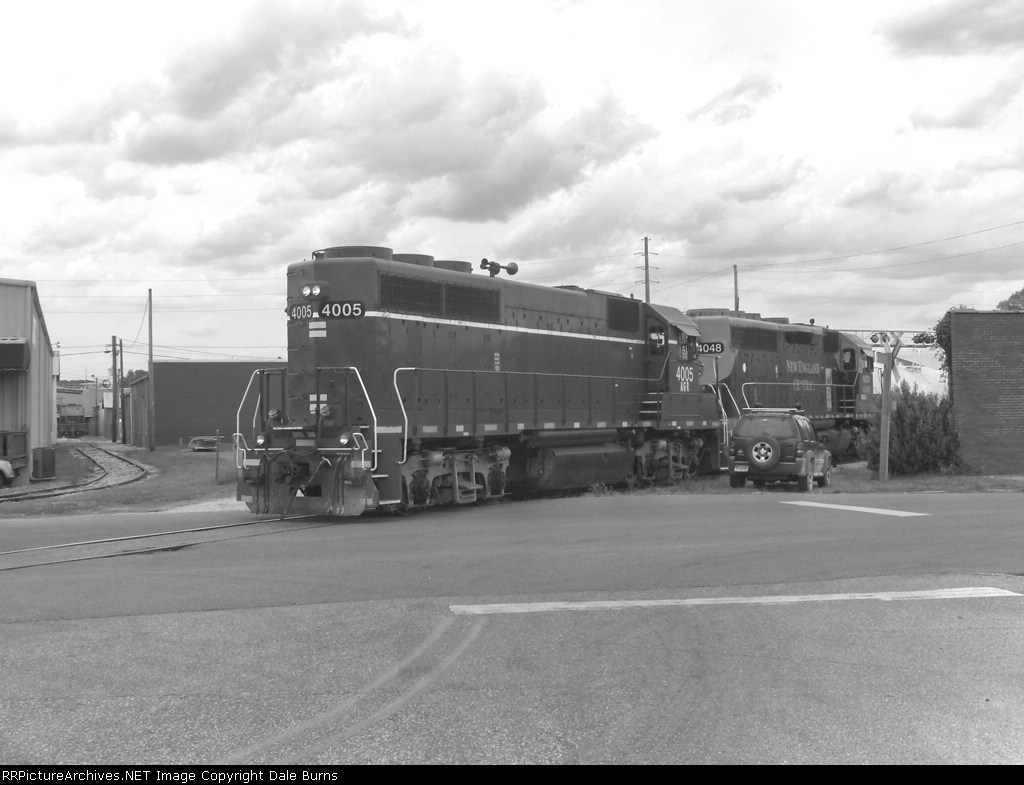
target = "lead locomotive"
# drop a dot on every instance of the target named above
(411, 382)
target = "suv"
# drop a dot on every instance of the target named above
(777, 444)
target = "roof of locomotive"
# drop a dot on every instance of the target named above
(725, 316)
(446, 269)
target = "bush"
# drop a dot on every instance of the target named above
(923, 438)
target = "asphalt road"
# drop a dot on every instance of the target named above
(644, 629)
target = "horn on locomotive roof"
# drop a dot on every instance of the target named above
(494, 268)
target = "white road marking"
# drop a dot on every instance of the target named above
(875, 510)
(971, 592)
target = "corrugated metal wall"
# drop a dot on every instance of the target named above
(28, 398)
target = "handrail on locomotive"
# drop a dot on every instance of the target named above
(242, 446)
(845, 404)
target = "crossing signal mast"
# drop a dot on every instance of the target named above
(893, 342)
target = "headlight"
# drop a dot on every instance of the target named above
(344, 438)
(312, 290)
(261, 439)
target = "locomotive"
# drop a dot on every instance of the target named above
(411, 382)
(828, 375)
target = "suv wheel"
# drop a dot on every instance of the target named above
(805, 482)
(765, 452)
(826, 475)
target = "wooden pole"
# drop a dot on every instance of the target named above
(151, 413)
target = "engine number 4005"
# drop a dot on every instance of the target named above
(348, 309)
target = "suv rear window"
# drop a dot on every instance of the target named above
(779, 427)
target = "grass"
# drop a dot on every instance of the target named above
(849, 478)
(178, 476)
(175, 476)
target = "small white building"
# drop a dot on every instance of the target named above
(28, 386)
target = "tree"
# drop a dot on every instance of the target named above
(944, 341)
(1015, 302)
(923, 437)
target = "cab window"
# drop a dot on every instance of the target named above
(688, 348)
(656, 339)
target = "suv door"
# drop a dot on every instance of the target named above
(812, 446)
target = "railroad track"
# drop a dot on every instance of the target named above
(151, 542)
(111, 469)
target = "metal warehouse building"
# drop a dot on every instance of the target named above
(28, 384)
(189, 399)
(987, 383)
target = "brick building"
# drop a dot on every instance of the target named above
(988, 388)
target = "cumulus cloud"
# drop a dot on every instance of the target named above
(968, 172)
(892, 190)
(290, 98)
(976, 112)
(958, 27)
(274, 44)
(766, 180)
(738, 102)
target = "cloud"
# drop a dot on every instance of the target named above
(530, 163)
(958, 27)
(888, 189)
(977, 112)
(273, 41)
(290, 100)
(766, 181)
(738, 102)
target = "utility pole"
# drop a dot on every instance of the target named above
(736, 290)
(151, 413)
(647, 271)
(647, 274)
(124, 414)
(117, 390)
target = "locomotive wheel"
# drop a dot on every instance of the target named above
(765, 452)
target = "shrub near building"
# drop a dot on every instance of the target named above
(923, 438)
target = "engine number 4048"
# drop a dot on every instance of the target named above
(348, 309)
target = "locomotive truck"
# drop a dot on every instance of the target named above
(411, 382)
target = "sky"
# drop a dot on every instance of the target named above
(861, 164)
